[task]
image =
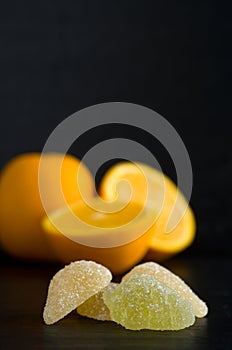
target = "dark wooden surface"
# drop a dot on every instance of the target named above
(23, 293)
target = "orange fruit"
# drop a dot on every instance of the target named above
(21, 208)
(103, 233)
(151, 188)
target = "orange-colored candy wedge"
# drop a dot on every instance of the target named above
(111, 234)
(151, 188)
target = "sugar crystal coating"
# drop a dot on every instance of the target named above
(141, 302)
(95, 307)
(173, 282)
(72, 286)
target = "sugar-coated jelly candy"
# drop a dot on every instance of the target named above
(141, 302)
(172, 281)
(95, 307)
(72, 286)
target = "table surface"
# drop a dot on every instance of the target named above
(23, 293)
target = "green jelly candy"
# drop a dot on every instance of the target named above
(141, 302)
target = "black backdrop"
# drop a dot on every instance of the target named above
(172, 56)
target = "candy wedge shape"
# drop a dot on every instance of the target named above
(172, 281)
(72, 286)
(142, 302)
(95, 307)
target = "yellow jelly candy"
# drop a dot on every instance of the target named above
(141, 302)
(171, 281)
(95, 307)
(72, 286)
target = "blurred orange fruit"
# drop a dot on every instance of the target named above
(21, 208)
(152, 188)
(104, 233)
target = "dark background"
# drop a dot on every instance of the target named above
(171, 56)
(58, 57)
